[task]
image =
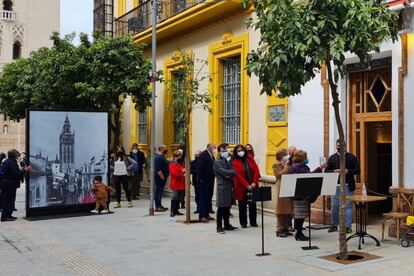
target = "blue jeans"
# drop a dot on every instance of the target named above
(159, 189)
(335, 208)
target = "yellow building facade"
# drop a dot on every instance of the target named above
(372, 99)
(214, 31)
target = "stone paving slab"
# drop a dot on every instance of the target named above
(129, 242)
(19, 256)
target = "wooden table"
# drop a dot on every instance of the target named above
(361, 218)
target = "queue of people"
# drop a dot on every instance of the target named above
(236, 174)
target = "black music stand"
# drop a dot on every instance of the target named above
(309, 188)
(262, 194)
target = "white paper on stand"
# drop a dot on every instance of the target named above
(288, 185)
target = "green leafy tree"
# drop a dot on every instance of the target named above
(96, 75)
(298, 37)
(186, 97)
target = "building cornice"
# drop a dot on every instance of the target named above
(195, 17)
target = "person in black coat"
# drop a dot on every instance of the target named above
(194, 179)
(137, 177)
(161, 174)
(205, 173)
(351, 170)
(10, 181)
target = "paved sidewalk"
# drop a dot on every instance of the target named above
(129, 242)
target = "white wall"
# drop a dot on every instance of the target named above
(306, 121)
(409, 116)
(257, 113)
(396, 63)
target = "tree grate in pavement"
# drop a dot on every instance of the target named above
(75, 261)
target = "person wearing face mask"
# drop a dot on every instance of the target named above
(137, 175)
(301, 204)
(291, 151)
(122, 166)
(177, 182)
(351, 169)
(162, 173)
(205, 173)
(224, 193)
(284, 205)
(247, 178)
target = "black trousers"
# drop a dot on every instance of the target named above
(9, 197)
(243, 211)
(1, 199)
(197, 193)
(118, 180)
(205, 186)
(298, 226)
(223, 214)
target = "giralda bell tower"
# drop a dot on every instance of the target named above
(67, 148)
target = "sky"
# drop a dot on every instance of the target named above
(76, 16)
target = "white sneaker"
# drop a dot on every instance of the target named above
(104, 212)
(94, 211)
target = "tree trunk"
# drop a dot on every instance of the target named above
(343, 248)
(187, 172)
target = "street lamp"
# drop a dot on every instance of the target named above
(154, 78)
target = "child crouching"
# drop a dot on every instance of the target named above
(100, 190)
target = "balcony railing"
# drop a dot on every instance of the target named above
(7, 15)
(140, 18)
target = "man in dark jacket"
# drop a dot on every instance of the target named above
(351, 169)
(138, 171)
(193, 171)
(162, 172)
(205, 173)
(12, 176)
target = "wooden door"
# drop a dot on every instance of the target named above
(370, 102)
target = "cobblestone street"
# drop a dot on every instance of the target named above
(130, 243)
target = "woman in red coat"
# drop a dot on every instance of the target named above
(247, 178)
(177, 182)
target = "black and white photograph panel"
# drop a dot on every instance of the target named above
(66, 151)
